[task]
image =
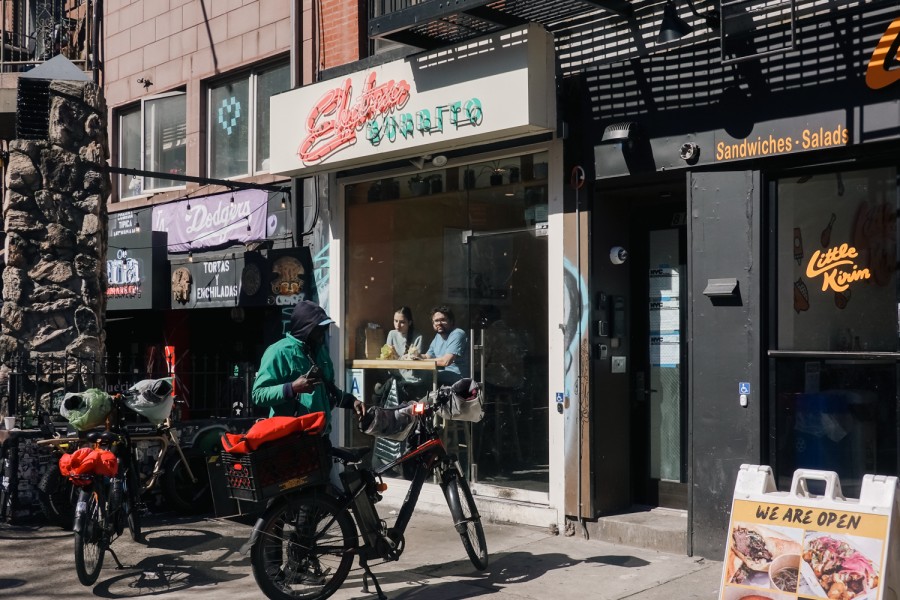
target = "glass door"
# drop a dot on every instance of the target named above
(507, 296)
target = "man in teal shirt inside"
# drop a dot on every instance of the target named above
(296, 375)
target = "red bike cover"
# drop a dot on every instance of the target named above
(270, 429)
(88, 461)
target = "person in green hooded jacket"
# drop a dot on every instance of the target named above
(287, 383)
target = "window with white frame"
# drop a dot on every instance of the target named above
(153, 137)
(238, 126)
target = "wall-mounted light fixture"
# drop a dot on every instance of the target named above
(672, 26)
(619, 132)
(419, 162)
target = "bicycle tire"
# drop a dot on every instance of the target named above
(57, 497)
(465, 517)
(307, 560)
(181, 493)
(91, 539)
(131, 504)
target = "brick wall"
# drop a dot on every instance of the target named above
(177, 44)
(340, 30)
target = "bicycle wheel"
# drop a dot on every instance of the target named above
(304, 549)
(131, 504)
(182, 494)
(465, 517)
(91, 538)
(57, 497)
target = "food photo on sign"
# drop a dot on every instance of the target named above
(840, 567)
(763, 556)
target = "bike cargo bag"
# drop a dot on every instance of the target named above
(152, 399)
(391, 423)
(88, 461)
(296, 456)
(465, 402)
(271, 429)
(86, 410)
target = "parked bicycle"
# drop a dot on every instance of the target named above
(109, 497)
(304, 543)
(180, 472)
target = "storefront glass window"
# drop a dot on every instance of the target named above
(473, 238)
(836, 334)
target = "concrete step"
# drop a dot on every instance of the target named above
(662, 529)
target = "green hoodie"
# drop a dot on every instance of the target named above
(289, 358)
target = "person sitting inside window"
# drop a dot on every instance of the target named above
(449, 347)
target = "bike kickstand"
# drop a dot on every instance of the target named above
(367, 572)
(119, 565)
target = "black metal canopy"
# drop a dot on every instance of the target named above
(431, 24)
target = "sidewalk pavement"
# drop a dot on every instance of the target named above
(198, 558)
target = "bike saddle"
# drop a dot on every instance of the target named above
(104, 437)
(350, 455)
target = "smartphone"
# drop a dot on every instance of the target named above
(314, 373)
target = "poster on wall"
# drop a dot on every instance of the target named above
(135, 256)
(806, 546)
(665, 317)
(290, 277)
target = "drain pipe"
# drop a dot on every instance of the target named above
(577, 182)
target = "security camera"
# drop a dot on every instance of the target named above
(689, 152)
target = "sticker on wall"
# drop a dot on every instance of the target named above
(841, 299)
(798, 245)
(181, 285)
(801, 296)
(825, 238)
(229, 113)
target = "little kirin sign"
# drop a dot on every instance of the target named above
(499, 87)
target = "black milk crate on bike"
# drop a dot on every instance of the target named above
(277, 467)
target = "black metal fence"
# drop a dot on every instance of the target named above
(205, 385)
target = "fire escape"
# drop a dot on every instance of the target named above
(431, 24)
(34, 31)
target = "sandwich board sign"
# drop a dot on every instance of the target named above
(798, 545)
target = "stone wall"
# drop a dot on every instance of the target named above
(55, 218)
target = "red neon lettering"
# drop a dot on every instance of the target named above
(333, 122)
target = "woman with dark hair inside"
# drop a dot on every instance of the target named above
(403, 336)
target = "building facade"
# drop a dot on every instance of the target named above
(667, 229)
(207, 252)
(692, 250)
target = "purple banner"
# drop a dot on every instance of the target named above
(213, 221)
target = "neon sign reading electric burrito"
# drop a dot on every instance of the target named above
(837, 268)
(335, 121)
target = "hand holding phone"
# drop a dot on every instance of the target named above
(314, 373)
(307, 382)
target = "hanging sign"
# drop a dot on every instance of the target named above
(207, 281)
(213, 221)
(798, 544)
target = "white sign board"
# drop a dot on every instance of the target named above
(493, 88)
(806, 546)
